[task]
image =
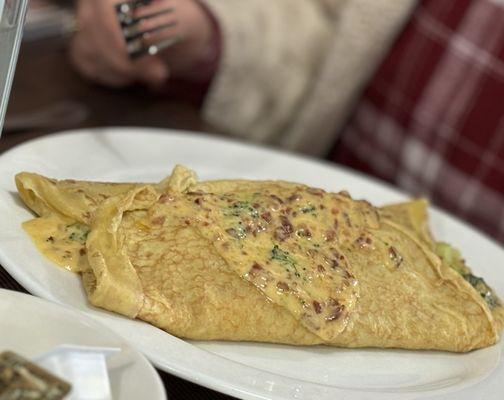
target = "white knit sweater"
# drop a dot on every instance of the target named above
(291, 70)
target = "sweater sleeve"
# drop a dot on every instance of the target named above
(270, 52)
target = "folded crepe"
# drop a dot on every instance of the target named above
(266, 261)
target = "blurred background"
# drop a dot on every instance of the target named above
(48, 95)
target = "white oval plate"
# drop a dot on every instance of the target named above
(31, 327)
(245, 370)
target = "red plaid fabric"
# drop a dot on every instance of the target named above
(432, 118)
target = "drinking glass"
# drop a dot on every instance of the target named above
(12, 17)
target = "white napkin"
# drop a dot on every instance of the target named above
(83, 367)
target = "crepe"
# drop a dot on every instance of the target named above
(265, 261)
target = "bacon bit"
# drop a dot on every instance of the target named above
(266, 216)
(348, 275)
(244, 253)
(322, 207)
(50, 239)
(280, 234)
(283, 286)
(334, 211)
(80, 191)
(255, 270)
(198, 201)
(260, 228)
(395, 256)
(317, 306)
(187, 222)
(294, 197)
(316, 192)
(158, 220)
(205, 223)
(275, 197)
(284, 230)
(286, 224)
(256, 205)
(82, 251)
(363, 241)
(304, 232)
(329, 235)
(320, 268)
(164, 198)
(335, 313)
(236, 234)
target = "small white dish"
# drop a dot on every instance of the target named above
(36, 328)
(245, 370)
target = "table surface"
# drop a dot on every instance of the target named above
(44, 77)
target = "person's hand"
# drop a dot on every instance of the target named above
(99, 52)
(194, 26)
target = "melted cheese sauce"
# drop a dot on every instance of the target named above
(286, 240)
(60, 239)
